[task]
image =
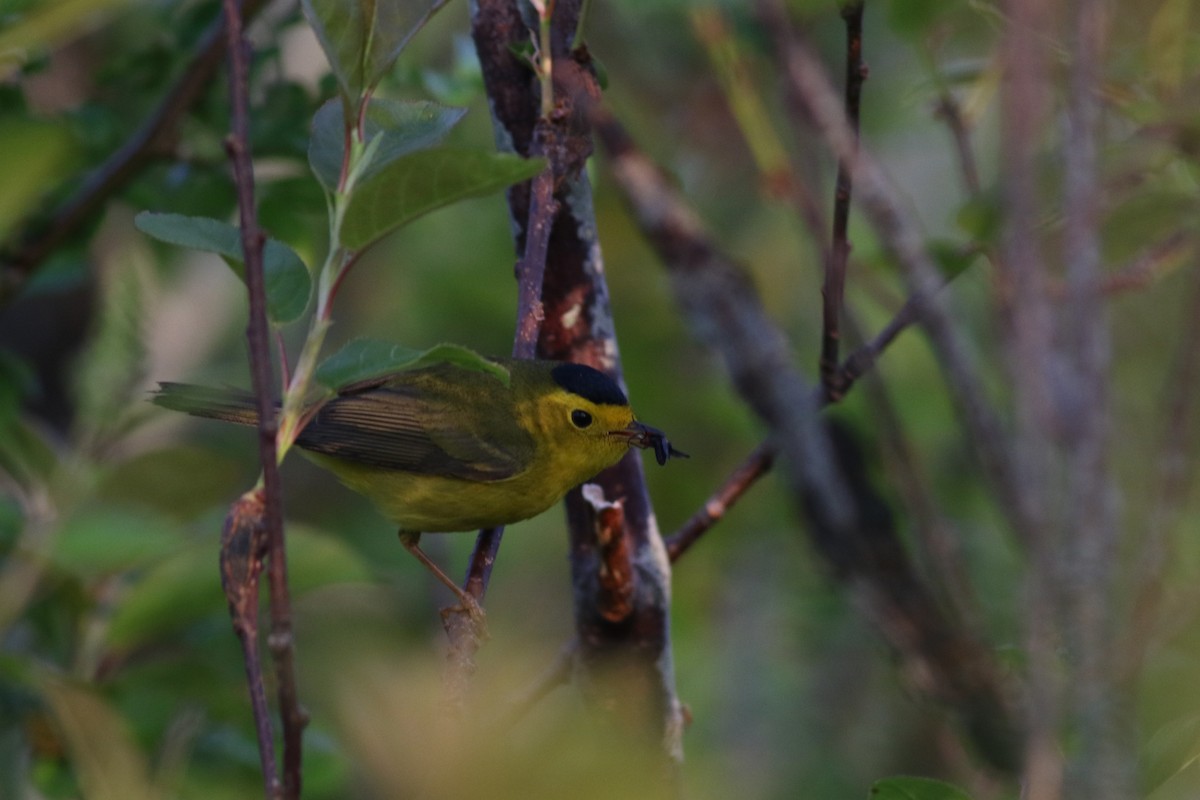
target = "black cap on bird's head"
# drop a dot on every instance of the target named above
(590, 384)
(598, 388)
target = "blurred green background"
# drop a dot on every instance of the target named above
(119, 676)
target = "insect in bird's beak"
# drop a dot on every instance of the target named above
(642, 435)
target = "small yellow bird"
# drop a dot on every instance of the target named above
(451, 448)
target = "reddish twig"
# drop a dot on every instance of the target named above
(258, 337)
(839, 253)
(757, 464)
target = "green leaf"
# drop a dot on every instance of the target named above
(103, 753)
(114, 361)
(363, 38)
(317, 559)
(25, 454)
(34, 157)
(107, 540)
(181, 482)
(369, 358)
(402, 126)
(287, 280)
(1173, 748)
(906, 788)
(178, 591)
(418, 183)
(171, 595)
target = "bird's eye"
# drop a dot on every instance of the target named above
(580, 418)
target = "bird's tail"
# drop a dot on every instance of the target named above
(228, 405)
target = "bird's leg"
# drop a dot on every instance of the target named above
(412, 543)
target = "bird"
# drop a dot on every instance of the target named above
(449, 447)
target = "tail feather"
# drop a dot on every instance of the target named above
(228, 405)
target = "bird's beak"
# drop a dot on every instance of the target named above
(641, 435)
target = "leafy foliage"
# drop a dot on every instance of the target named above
(401, 127)
(287, 282)
(416, 184)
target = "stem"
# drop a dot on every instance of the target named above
(839, 254)
(257, 334)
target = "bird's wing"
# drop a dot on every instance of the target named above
(399, 426)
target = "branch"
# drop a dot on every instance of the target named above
(903, 241)
(1100, 766)
(726, 314)
(243, 547)
(578, 327)
(530, 274)
(531, 269)
(745, 475)
(835, 267)
(258, 338)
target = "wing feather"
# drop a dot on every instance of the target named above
(425, 424)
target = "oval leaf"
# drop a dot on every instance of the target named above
(362, 359)
(906, 788)
(287, 281)
(104, 755)
(363, 38)
(420, 182)
(107, 540)
(181, 590)
(403, 127)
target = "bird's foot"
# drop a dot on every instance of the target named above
(470, 606)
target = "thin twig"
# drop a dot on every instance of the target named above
(153, 140)
(902, 239)
(258, 337)
(531, 270)
(839, 253)
(745, 475)
(854, 536)
(948, 109)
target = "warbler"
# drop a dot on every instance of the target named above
(453, 448)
